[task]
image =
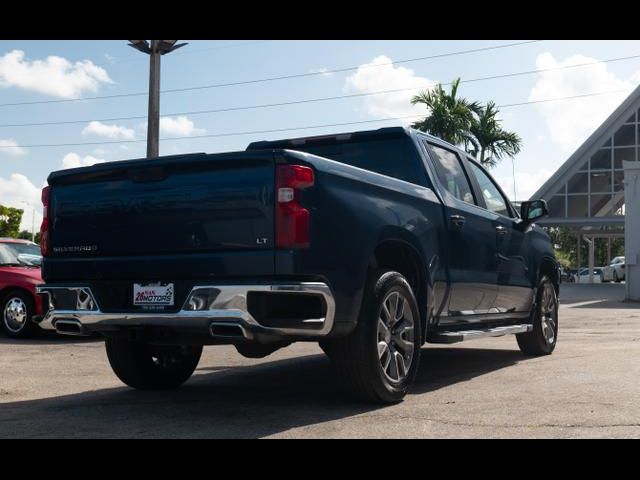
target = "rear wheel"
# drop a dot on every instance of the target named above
(17, 310)
(380, 359)
(150, 367)
(542, 339)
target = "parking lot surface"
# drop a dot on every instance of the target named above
(60, 387)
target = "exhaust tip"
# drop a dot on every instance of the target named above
(71, 327)
(227, 330)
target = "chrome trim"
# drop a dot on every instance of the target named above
(82, 332)
(462, 335)
(244, 331)
(228, 307)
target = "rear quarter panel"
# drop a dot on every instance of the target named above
(352, 211)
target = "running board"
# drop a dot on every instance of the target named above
(462, 335)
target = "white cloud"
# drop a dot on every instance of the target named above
(526, 183)
(54, 75)
(324, 72)
(570, 122)
(179, 126)
(369, 79)
(116, 132)
(10, 147)
(73, 160)
(18, 189)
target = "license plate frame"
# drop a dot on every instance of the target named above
(153, 294)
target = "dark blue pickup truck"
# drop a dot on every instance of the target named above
(370, 243)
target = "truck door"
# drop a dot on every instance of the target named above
(515, 293)
(471, 247)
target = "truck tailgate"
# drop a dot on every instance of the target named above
(188, 205)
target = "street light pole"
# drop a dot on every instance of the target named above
(155, 50)
(153, 128)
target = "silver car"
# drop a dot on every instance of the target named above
(615, 271)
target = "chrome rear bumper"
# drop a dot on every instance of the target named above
(224, 314)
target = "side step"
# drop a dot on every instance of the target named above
(462, 335)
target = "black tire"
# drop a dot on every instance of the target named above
(540, 341)
(16, 313)
(615, 277)
(151, 367)
(356, 356)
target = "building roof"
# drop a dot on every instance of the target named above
(595, 140)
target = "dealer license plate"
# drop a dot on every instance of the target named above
(153, 294)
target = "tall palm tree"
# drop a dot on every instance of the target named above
(450, 116)
(488, 141)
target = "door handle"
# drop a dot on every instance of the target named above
(500, 230)
(457, 220)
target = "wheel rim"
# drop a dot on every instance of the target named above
(15, 314)
(395, 337)
(548, 307)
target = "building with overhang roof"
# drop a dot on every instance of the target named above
(586, 193)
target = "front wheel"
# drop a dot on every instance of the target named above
(151, 367)
(380, 359)
(542, 339)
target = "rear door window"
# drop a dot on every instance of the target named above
(394, 157)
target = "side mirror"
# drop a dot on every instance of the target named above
(533, 210)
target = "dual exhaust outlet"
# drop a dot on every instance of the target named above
(222, 330)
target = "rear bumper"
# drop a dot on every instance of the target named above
(224, 318)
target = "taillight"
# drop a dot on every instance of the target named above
(292, 220)
(45, 248)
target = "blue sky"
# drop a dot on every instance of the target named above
(60, 70)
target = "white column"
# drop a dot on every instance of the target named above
(632, 228)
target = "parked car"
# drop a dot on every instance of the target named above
(583, 275)
(614, 272)
(19, 274)
(370, 243)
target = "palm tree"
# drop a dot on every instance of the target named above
(488, 141)
(450, 116)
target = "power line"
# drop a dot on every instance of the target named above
(255, 132)
(271, 79)
(319, 99)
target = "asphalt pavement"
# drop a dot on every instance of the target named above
(53, 387)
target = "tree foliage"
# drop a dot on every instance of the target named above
(10, 219)
(450, 116)
(473, 126)
(488, 141)
(565, 244)
(26, 235)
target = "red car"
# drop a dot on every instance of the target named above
(19, 274)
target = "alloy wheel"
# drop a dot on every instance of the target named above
(396, 343)
(548, 305)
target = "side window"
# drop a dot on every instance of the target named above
(492, 196)
(451, 175)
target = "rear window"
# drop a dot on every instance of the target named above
(393, 157)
